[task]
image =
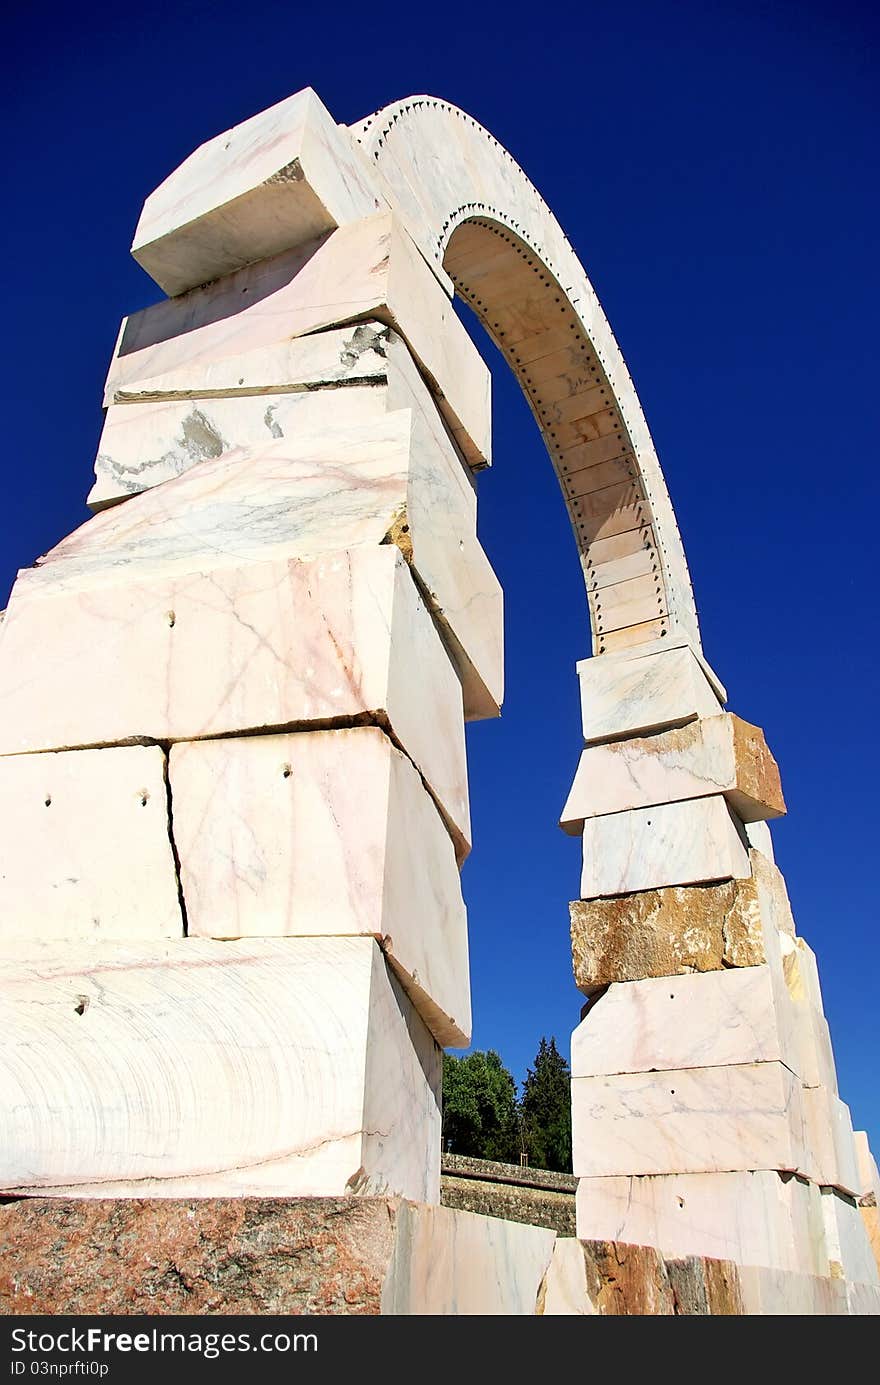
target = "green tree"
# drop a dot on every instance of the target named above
(545, 1110)
(480, 1114)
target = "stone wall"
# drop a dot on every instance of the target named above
(535, 1196)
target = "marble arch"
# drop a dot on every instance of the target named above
(478, 218)
(234, 788)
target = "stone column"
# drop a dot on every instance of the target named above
(706, 1114)
(232, 705)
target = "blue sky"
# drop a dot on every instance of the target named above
(715, 167)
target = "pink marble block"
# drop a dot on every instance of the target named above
(325, 833)
(743, 1116)
(357, 481)
(240, 648)
(85, 850)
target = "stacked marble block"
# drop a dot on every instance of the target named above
(705, 1107)
(232, 705)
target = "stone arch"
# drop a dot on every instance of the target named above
(488, 233)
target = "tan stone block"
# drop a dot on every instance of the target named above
(716, 755)
(325, 833)
(232, 649)
(193, 1068)
(282, 177)
(85, 850)
(666, 932)
(627, 1280)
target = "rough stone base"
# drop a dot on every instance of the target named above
(319, 1256)
(361, 1256)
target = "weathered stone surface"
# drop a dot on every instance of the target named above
(205, 1256)
(720, 754)
(626, 1280)
(704, 1287)
(309, 1256)
(536, 1196)
(666, 932)
(615, 1279)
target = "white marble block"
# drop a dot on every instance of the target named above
(706, 1020)
(232, 649)
(85, 850)
(358, 355)
(293, 1067)
(758, 835)
(330, 380)
(392, 478)
(715, 755)
(325, 833)
(364, 271)
(768, 1293)
(449, 1263)
(695, 1120)
(869, 1178)
(565, 1287)
(846, 1240)
(285, 176)
(761, 1218)
(830, 1144)
(630, 696)
(671, 844)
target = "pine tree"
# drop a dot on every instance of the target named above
(545, 1110)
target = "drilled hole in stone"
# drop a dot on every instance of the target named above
(82, 1004)
(144, 798)
(48, 800)
(286, 771)
(170, 617)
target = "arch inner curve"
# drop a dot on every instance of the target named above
(487, 231)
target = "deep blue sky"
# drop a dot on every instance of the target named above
(715, 167)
